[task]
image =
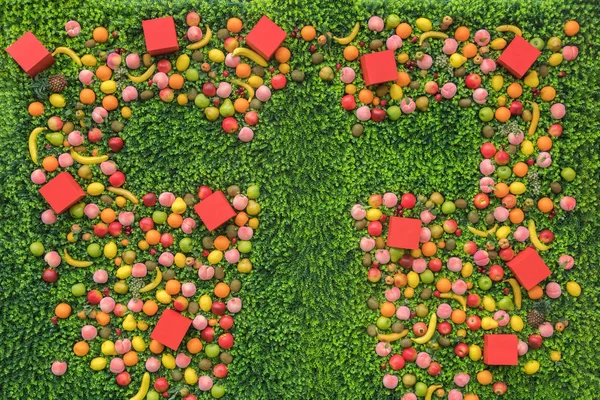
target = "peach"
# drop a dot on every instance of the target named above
(130, 93)
(240, 202)
(107, 304)
(100, 276)
(122, 346)
(408, 106)
(423, 360)
(409, 396)
(245, 233)
(113, 61)
(553, 290)
(59, 368)
(194, 34)
(86, 77)
(450, 46)
(234, 305)
(566, 261)
(52, 258)
(459, 287)
(570, 52)
(431, 87)
(481, 258)
(65, 160)
(403, 313)
(426, 216)
(501, 214)
(390, 381)
(232, 61)
(522, 348)
(390, 200)
(521, 234)
(166, 199)
(206, 273)
(363, 113)
(444, 311)
(152, 364)
(488, 65)
(392, 294)
(383, 349)
(166, 95)
(166, 259)
(486, 185)
(126, 218)
(448, 91)
(224, 90)
(232, 256)
(139, 270)
(73, 28)
(48, 217)
(568, 203)
(55, 123)
(376, 23)
(482, 37)
(108, 167)
(546, 329)
(558, 110)
(200, 322)
(424, 234)
(263, 93)
(188, 225)
(454, 264)
(502, 317)
(516, 138)
(89, 332)
(188, 289)
(246, 134)
(99, 114)
(347, 75)
(419, 265)
(117, 365)
(461, 379)
(486, 167)
(480, 95)
(75, 138)
(161, 80)
(394, 42)
(382, 256)
(38, 177)
(358, 212)
(133, 61)
(205, 383)
(425, 63)
(544, 159)
(182, 361)
(455, 394)
(135, 305)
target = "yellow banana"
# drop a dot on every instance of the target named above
(157, 280)
(430, 331)
(75, 263)
(431, 390)
(483, 234)
(33, 143)
(534, 237)
(516, 288)
(431, 35)
(249, 88)
(244, 52)
(391, 337)
(144, 77)
(535, 118)
(69, 52)
(350, 37)
(123, 192)
(141, 394)
(87, 160)
(460, 299)
(510, 28)
(200, 44)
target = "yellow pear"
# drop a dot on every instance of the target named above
(190, 376)
(497, 82)
(129, 324)
(488, 323)
(532, 79)
(205, 303)
(475, 352)
(489, 304)
(178, 206)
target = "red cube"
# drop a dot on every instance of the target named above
(30, 54)
(500, 349)
(518, 57)
(160, 35)
(529, 268)
(214, 211)
(62, 192)
(379, 67)
(404, 233)
(171, 328)
(265, 38)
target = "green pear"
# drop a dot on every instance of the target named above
(227, 109)
(506, 304)
(55, 138)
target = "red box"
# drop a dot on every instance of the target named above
(518, 57)
(265, 37)
(529, 268)
(30, 54)
(62, 192)
(215, 210)
(160, 35)
(500, 350)
(404, 233)
(171, 328)
(379, 67)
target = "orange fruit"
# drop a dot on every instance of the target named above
(516, 215)
(110, 102)
(308, 33)
(62, 310)
(403, 79)
(81, 348)
(194, 346)
(153, 237)
(103, 73)
(243, 70)
(458, 316)
(502, 114)
(176, 81)
(282, 55)
(547, 93)
(100, 34)
(462, 34)
(441, 244)
(222, 290)
(443, 285)
(241, 218)
(172, 287)
(156, 347)
(50, 163)
(544, 143)
(102, 318)
(234, 25)
(545, 205)
(514, 90)
(35, 109)
(212, 322)
(241, 105)
(520, 169)
(484, 377)
(130, 358)
(469, 50)
(376, 101)
(365, 96)
(471, 396)
(403, 30)
(428, 249)
(284, 68)
(221, 243)
(535, 292)
(150, 307)
(501, 189)
(387, 309)
(351, 53)
(87, 96)
(174, 220)
(571, 28)
(108, 215)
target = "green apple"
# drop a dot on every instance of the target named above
(76, 211)
(486, 114)
(537, 43)
(78, 289)
(383, 323)
(392, 21)
(448, 207)
(253, 192)
(427, 276)
(159, 217)
(186, 245)
(94, 250)
(394, 112)
(191, 74)
(201, 101)
(217, 391)
(152, 395)
(503, 172)
(37, 248)
(244, 246)
(420, 389)
(485, 283)
(212, 350)
(568, 174)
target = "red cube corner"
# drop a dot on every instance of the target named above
(379, 67)
(265, 38)
(160, 35)
(500, 349)
(171, 328)
(30, 54)
(62, 192)
(404, 233)
(215, 210)
(518, 57)
(529, 268)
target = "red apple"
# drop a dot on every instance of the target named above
(509, 201)
(506, 254)
(435, 265)
(218, 308)
(117, 179)
(161, 385)
(204, 192)
(115, 144)
(377, 114)
(192, 18)
(496, 273)
(408, 200)
(225, 341)
(461, 349)
(499, 388)
(516, 108)
(348, 102)
(166, 240)
(374, 275)
(94, 296)
(375, 228)
(502, 157)
(251, 118)
(444, 328)
(209, 89)
(278, 81)
(473, 322)
(207, 334)
(229, 125)
(488, 150)
(420, 329)
(115, 229)
(397, 362)
(535, 341)
(220, 371)
(410, 354)
(470, 247)
(555, 130)
(226, 322)
(146, 224)
(123, 378)
(434, 368)
(473, 300)
(94, 135)
(164, 66)
(450, 226)
(406, 261)
(50, 275)
(100, 229)
(481, 201)
(546, 236)
(473, 81)
(149, 199)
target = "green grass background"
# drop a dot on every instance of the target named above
(301, 333)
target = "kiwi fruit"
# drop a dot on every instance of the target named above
(147, 59)
(372, 303)
(191, 94)
(406, 343)
(376, 44)
(117, 126)
(381, 90)
(189, 199)
(150, 265)
(555, 187)
(379, 242)
(297, 76)
(487, 132)
(258, 71)
(222, 34)
(444, 342)
(362, 224)
(450, 244)
(357, 130)
(226, 358)
(317, 58)
(105, 332)
(367, 260)
(147, 94)
(493, 254)
(233, 190)
(464, 103)
(473, 217)
(422, 310)
(372, 330)
(207, 242)
(231, 231)
(176, 375)
(426, 294)
(397, 327)
(168, 275)
(460, 203)
(89, 43)
(205, 364)
(106, 199)
(235, 285)
(544, 70)
(489, 219)
(460, 72)
(219, 273)
(68, 127)
(256, 104)
(511, 149)
(197, 56)
(193, 307)
(414, 85)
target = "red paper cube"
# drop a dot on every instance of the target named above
(379, 67)
(160, 35)
(518, 57)
(265, 37)
(404, 233)
(500, 349)
(30, 54)
(62, 192)
(214, 211)
(529, 268)
(171, 328)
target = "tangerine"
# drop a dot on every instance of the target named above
(308, 33)
(110, 102)
(403, 30)
(81, 348)
(87, 96)
(62, 310)
(462, 34)
(35, 109)
(351, 53)
(443, 284)
(222, 290)
(545, 205)
(50, 163)
(100, 34)
(234, 25)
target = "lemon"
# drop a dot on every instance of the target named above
(255, 81)
(110, 250)
(555, 59)
(57, 100)
(555, 356)
(124, 272)
(163, 297)
(497, 82)
(498, 44)
(373, 214)
(95, 189)
(180, 260)
(215, 257)
(424, 24)
(205, 303)
(190, 376)
(98, 364)
(108, 87)
(216, 55)
(517, 188)
(138, 343)
(168, 361)
(467, 270)
(573, 289)
(526, 147)
(413, 279)
(108, 348)
(89, 60)
(531, 367)
(516, 323)
(126, 112)
(503, 232)
(396, 92)
(183, 62)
